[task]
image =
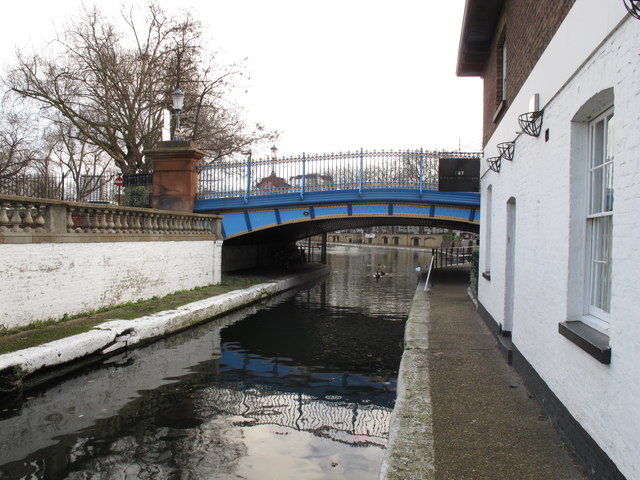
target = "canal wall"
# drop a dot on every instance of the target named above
(48, 281)
(410, 451)
(33, 365)
(63, 258)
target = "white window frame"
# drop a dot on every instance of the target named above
(599, 222)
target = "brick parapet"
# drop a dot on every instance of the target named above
(175, 175)
(528, 29)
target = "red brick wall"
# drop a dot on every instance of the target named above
(529, 26)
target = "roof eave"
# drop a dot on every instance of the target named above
(478, 27)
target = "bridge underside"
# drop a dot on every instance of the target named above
(281, 218)
(297, 231)
(255, 229)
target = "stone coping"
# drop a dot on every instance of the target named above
(410, 451)
(46, 237)
(100, 206)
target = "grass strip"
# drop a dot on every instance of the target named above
(50, 330)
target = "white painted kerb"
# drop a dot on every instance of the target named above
(116, 334)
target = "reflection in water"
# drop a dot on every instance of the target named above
(301, 389)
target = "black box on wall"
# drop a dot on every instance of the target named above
(459, 174)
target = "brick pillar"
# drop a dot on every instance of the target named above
(175, 178)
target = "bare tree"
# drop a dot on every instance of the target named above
(112, 84)
(209, 118)
(18, 147)
(415, 164)
(80, 160)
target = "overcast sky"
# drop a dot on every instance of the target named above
(331, 76)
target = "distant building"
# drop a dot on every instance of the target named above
(311, 180)
(273, 184)
(392, 239)
(560, 187)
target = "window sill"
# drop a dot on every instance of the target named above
(588, 339)
(486, 275)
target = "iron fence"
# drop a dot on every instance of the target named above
(446, 257)
(360, 170)
(134, 191)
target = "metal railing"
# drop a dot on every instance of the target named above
(360, 170)
(88, 188)
(445, 257)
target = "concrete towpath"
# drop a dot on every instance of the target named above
(462, 412)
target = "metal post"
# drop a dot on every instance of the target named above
(248, 186)
(361, 169)
(421, 163)
(303, 177)
(426, 282)
(323, 251)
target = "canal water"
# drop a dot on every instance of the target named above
(300, 387)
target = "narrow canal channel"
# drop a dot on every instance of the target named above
(300, 388)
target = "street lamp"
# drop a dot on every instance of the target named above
(274, 152)
(178, 102)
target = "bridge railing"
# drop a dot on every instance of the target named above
(360, 170)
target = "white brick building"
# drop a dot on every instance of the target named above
(560, 230)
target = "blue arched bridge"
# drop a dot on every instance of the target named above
(299, 196)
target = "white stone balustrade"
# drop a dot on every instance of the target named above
(27, 220)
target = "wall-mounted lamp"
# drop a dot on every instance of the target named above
(494, 163)
(506, 150)
(633, 7)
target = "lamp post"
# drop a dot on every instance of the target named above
(247, 188)
(178, 102)
(274, 152)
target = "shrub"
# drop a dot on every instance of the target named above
(473, 275)
(138, 196)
